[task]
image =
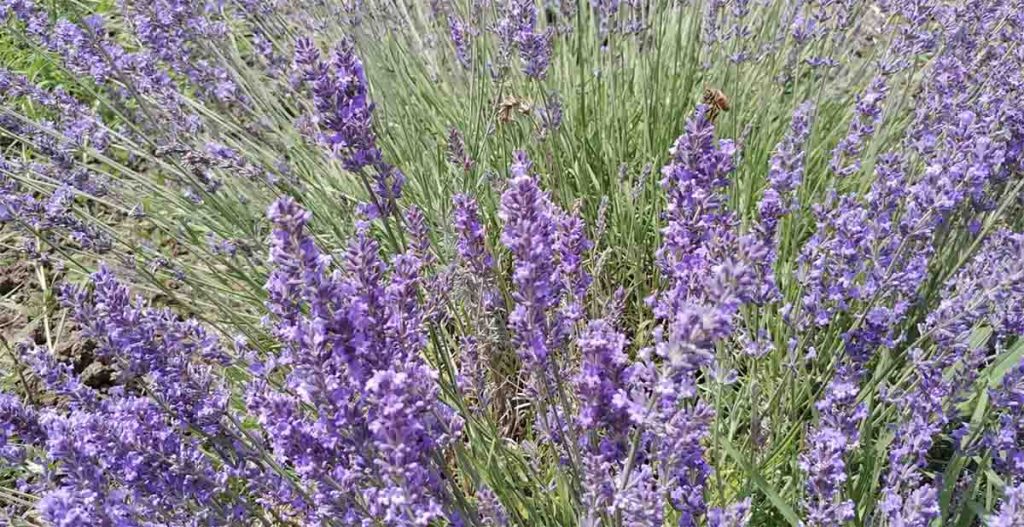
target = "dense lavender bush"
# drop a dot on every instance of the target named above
(410, 263)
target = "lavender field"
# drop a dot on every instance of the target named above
(492, 263)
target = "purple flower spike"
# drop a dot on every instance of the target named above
(344, 118)
(530, 234)
(735, 515)
(907, 499)
(833, 437)
(846, 155)
(353, 347)
(1011, 510)
(785, 169)
(492, 512)
(460, 40)
(1006, 440)
(785, 173)
(518, 29)
(344, 111)
(707, 282)
(19, 427)
(601, 382)
(457, 154)
(472, 242)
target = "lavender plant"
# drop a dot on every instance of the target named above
(408, 263)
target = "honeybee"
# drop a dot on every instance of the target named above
(716, 101)
(511, 104)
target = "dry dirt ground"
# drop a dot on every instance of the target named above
(26, 312)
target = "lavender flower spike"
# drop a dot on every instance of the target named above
(735, 515)
(460, 40)
(706, 286)
(785, 173)
(344, 111)
(19, 427)
(601, 380)
(833, 437)
(846, 155)
(1011, 510)
(785, 169)
(519, 27)
(354, 343)
(530, 234)
(471, 244)
(906, 498)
